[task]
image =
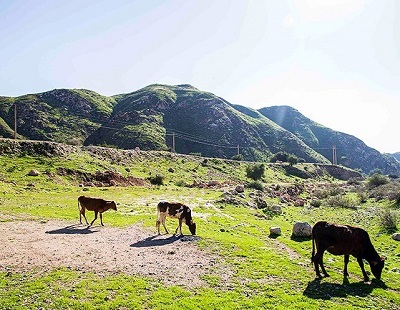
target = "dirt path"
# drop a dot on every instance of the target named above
(27, 245)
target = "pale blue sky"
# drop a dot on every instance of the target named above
(337, 62)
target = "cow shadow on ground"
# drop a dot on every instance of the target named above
(317, 289)
(158, 240)
(300, 239)
(72, 230)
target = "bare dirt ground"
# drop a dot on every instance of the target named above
(31, 245)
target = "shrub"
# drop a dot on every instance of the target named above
(255, 172)
(280, 156)
(157, 180)
(256, 185)
(388, 220)
(181, 183)
(340, 201)
(292, 160)
(390, 191)
(238, 157)
(376, 180)
(362, 196)
(316, 203)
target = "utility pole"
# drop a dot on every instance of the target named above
(15, 121)
(238, 149)
(173, 142)
(334, 155)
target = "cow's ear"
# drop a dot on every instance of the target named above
(374, 262)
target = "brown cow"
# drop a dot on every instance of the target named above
(175, 210)
(97, 205)
(344, 240)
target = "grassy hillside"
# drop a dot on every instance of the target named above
(266, 272)
(59, 115)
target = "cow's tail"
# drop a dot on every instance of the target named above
(313, 247)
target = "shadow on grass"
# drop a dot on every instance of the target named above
(72, 230)
(325, 290)
(299, 239)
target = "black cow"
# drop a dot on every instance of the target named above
(175, 210)
(344, 240)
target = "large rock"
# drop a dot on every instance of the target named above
(301, 229)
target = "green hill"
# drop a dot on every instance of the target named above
(163, 117)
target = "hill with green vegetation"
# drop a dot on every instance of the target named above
(241, 264)
(351, 151)
(183, 118)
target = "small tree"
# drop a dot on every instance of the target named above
(238, 157)
(280, 156)
(292, 160)
(255, 172)
(377, 179)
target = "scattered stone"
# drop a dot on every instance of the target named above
(240, 188)
(301, 229)
(275, 231)
(33, 173)
(213, 183)
(299, 202)
(276, 209)
(396, 236)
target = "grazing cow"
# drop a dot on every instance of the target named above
(344, 240)
(175, 210)
(97, 205)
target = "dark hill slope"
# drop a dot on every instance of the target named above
(58, 115)
(351, 151)
(200, 122)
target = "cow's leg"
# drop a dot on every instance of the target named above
(101, 219)
(318, 260)
(83, 213)
(360, 262)
(323, 268)
(95, 217)
(163, 223)
(180, 227)
(158, 222)
(346, 261)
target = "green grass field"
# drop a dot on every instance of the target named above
(268, 273)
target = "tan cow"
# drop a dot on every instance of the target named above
(97, 205)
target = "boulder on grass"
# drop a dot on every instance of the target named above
(301, 229)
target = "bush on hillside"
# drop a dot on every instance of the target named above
(157, 179)
(238, 157)
(280, 156)
(341, 201)
(255, 185)
(255, 172)
(376, 180)
(388, 220)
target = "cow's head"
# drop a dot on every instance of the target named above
(192, 227)
(112, 205)
(377, 266)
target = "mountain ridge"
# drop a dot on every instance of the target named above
(162, 117)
